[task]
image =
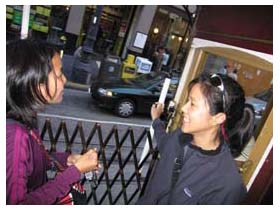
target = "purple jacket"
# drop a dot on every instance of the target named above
(26, 170)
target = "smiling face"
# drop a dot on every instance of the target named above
(56, 82)
(196, 115)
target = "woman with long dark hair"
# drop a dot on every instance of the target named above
(34, 78)
(196, 162)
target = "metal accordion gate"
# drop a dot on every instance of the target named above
(122, 177)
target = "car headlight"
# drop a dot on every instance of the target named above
(105, 92)
(109, 93)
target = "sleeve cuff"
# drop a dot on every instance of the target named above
(72, 173)
(157, 122)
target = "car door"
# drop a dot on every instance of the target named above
(150, 96)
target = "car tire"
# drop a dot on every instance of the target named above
(125, 108)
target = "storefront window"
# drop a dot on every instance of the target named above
(49, 23)
(168, 30)
(113, 27)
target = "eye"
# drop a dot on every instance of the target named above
(189, 101)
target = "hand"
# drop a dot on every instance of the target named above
(156, 110)
(88, 161)
(72, 159)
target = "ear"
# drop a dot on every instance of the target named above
(219, 118)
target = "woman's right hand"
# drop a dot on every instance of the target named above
(88, 161)
(156, 110)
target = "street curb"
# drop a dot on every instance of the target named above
(77, 86)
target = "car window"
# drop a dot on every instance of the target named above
(158, 87)
(155, 86)
(145, 84)
(147, 80)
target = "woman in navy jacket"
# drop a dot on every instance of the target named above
(196, 164)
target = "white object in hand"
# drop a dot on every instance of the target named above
(164, 90)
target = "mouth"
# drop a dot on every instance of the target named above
(186, 120)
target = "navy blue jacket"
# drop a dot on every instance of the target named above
(206, 177)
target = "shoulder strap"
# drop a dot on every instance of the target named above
(33, 136)
(178, 164)
(59, 166)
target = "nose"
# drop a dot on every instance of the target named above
(185, 108)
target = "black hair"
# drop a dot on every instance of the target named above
(239, 124)
(28, 63)
(161, 48)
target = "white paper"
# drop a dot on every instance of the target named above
(140, 40)
(164, 90)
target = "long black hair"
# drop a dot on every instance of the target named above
(28, 63)
(229, 98)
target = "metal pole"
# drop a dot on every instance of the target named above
(25, 21)
(92, 30)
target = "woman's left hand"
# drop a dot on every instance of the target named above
(156, 110)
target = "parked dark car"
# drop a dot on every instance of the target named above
(128, 96)
(259, 102)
